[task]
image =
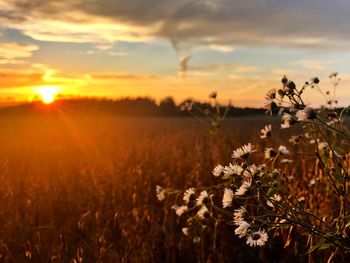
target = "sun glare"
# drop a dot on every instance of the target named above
(47, 94)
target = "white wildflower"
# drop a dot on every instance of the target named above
(301, 199)
(312, 182)
(218, 170)
(160, 193)
(271, 94)
(288, 120)
(203, 212)
(241, 230)
(227, 198)
(185, 231)
(286, 161)
(266, 131)
(196, 240)
(295, 139)
(322, 146)
(233, 169)
(188, 195)
(256, 170)
(275, 198)
(179, 210)
(247, 176)
(243, 188)
(283, 150)
(332, 121)
(203, 197)
(270, 153)
(243, 152)
(306, 114)
(238, 215)
(258, 238)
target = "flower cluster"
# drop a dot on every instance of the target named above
(254, 191)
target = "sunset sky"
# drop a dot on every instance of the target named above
(182, 48)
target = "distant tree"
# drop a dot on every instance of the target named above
(168, 107)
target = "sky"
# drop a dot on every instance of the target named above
(183, 48)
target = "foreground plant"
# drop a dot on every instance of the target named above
(214, 112)
(261, 198)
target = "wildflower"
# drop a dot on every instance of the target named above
(281, 93)
(266, 131)
(160, 193)
(227, 198)
(258, 238)
(213, 95)
(271, 94)
(301, 199)
(332, 122)
(218, 170)
(306, 114)
(288, 120)
(233, 169)
(270, 107)
(255, 170)
(284, 80)
(295, 139)
(270, 153)
(185, 231)
(307, 135)
(286, 161)
(196, 240)
(247, 176)
(188, 195)
(322, 146)
(179, 210)
(243, 188)
(276, 198)
(241, 230)
(252, 169)
(238, 215)
(187, 105)
(283, 150)
(203, 198)
(243, 152)
(312, 182)
(203, 212)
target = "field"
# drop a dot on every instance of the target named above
(81, 188)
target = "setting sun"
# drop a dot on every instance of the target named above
(47, 94)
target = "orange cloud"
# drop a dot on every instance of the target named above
(12, 52)
(15, 79)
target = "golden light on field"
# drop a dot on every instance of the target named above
(47, 94)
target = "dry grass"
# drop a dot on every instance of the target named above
(82, 189)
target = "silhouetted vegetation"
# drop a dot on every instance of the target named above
(126, 107)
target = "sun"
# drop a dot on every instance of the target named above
(48, 94)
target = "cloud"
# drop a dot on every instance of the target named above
(315, 64)
(11, 52)
(222, 48)
(113, 76)
(118, 53)
(20, 78)
(216, 23)
(225, 67)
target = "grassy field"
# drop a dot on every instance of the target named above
(77, 188)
